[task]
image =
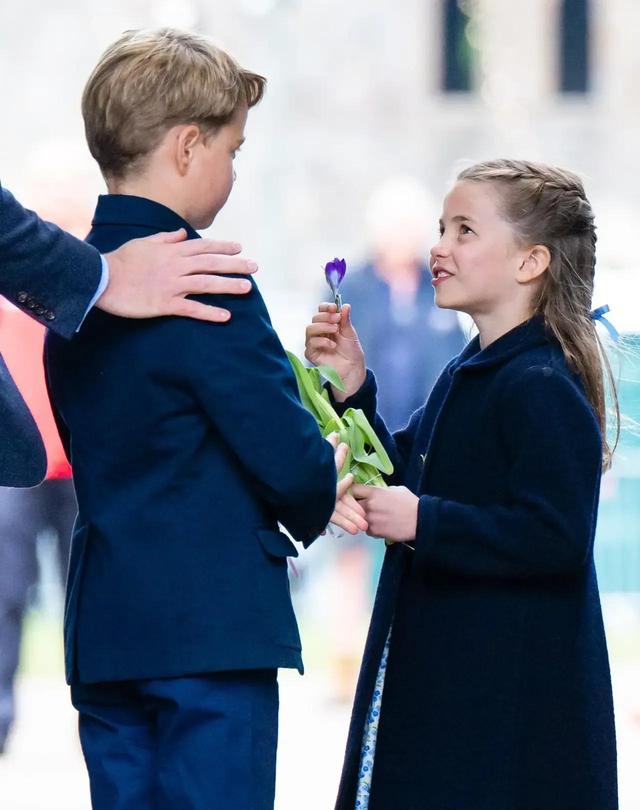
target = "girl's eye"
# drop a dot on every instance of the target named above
(464, 230)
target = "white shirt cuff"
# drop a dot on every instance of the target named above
(102, 286)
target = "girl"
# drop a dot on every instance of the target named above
(485, 682)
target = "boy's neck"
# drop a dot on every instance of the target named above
(147, 188)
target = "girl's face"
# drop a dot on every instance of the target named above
(475, 263)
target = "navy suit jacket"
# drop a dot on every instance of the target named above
(188, 444)
(52, 277)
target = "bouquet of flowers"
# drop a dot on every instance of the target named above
(367, 459)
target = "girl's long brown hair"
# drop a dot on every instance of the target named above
(548, 206)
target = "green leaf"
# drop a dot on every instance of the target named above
(362, 422)
(366, 458)
(332, 376)
(306, 388)
(324, 409)
(316, 380)
(366, 474)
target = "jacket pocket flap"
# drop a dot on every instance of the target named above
(276, 543)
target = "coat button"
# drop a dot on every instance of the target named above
(49, 315)
(22, 297)
(31, 303)
(39, 309)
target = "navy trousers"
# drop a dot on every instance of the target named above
(199, 743)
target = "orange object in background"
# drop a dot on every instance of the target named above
(21, 344)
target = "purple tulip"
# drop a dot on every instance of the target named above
(334, 272)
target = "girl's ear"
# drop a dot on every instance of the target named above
(534, 263)
(184, 148)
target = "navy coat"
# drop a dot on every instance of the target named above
(497, 693)
(52, 277)
(188, 444)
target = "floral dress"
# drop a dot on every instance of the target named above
(370, 735)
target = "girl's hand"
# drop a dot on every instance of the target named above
(391, 513)
(348, 514)
(332, 341)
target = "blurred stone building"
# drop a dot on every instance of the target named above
(359, 92)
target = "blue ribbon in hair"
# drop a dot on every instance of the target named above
(598, 315)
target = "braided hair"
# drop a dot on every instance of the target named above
(548, 206)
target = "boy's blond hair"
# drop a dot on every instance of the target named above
(149, 81)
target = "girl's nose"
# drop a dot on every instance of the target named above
(438, 251)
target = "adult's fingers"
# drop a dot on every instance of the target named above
(216, 263)
(168, 237)
(215, 285)
(187, 308)
(194, 247)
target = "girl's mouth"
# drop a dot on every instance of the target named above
(440, 276)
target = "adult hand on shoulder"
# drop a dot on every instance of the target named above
(150, 277)
(391, 513)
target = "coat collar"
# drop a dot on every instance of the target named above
(525, 336)
(127, 209)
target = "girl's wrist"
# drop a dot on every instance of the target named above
(353, 382)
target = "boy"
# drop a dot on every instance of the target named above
(188, 444)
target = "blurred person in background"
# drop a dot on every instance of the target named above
(25, 514)
(394, 287)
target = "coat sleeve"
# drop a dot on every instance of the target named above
(399, 444)
(242, 378)
(44, 271)
(545, 525)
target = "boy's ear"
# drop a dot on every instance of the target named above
(534, 263)
(187, 139)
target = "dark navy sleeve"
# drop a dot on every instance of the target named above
(398, 444)
(241, 375)
(546, 522)
(44, 271)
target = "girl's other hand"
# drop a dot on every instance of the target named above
(332, 341)
(391, 513)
